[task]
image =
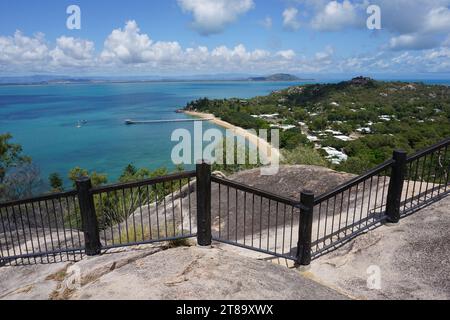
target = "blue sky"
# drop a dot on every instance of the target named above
(177, 37)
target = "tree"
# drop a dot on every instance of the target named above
(56, 182)
(21, 182)
(10, 155)
(97, 179)
(15, 181)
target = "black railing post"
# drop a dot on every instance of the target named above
(88, 217)
(305, 228)
(396, 187)
(204, 235)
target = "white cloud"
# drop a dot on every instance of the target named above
(438, 20)
(290, 20)
(446, 42)
(412, 42)
(20, 49)
(130, 46)
(286, 54)
(336, 16)
(415, 25)
(213, 16)
(128, 50)
(267, 23)
(325, 56)
(73, 52)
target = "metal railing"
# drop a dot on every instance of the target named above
(45, 230)
(251, 218)
(145, 212)
(183, 205)
(64, 226)
(350, 209)
(426, 178)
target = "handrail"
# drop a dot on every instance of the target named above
(142, 183)
(48, 197)
(353, 182)
(429, 150)
(256, 191)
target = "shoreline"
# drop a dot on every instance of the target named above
(266, 148)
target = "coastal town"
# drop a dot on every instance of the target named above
(343, 122)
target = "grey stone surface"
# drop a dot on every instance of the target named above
(153, 273)
(413, 257)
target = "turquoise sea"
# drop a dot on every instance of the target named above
(44, 120)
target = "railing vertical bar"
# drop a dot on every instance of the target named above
(236, 212)
(318, 226)
(268, 226)
(220, 209)
(133, 213)
(228, 213)
(326, 221)
(260, 222)
(36, 228)
(375, 205)
(429, 176)
(448, 170)
(284, 230)
(292, 229)
(143, 237)
(362, 204)
(125, 215)
(181, 208)
(5, 232)
(368, 204)
(78, 221)
(334, 214)
(340, 213)
(348, 211)
(245, 215)
(253, 219)
(29, 229)
(24, 231)
(174, 221)
(416, 177)
(189, 205)
(149, 212)
(165, 210)
(436, 170)
(64, 228)
(119, 222)
(15, 231)
(407, 188)
(356, 205)
(43, 230)
(276, 226)
(158, 225)
(57, 228)
(70, 222)
(422, 177)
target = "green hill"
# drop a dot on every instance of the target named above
(378, 117)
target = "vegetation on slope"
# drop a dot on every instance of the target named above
(378, 116)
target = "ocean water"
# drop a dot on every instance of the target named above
(44, 120)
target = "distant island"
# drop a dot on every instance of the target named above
(48, 79)
(277, 77)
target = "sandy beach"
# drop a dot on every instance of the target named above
(266, 148)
